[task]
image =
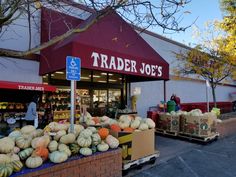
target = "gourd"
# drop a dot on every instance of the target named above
(84, 141)
(64, 148)
(112, 141)
(42, 152)
(53, 126)
(86, 133)
(4, 158)
(59, 134)
(138, 118)
(90, 122)
(42, 141)
(102, 147)
(124, 123)
(93, 129)
(37, 133)
(16, 150)
(103, 132)
(94, 149)
(13, 135)
(85, 151)
(96, 120)
(6, 145)
(67, 139)
(143, 126)
(34, 162)
(74, 148)
(14, 157)
(115, 127)
(104, 119)
(28, 129)
(150, 123)
(128, 129)
(77, 129)
(125, 118)
(23, 142)
(96, 139)
(58, 157)
(17, 165)
(53, 146)
(25, 153)
(135, 123)
(6, 169)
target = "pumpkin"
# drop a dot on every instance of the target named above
(112, 141)
(67, 139)
(16, 150)
(4, 158)
(93, 129)
(128, 129)
(103, 132)
(53, 146)
(6, 169)
(84, 141)
(34, 162)
(150, 123)
(28, 129)
(127, 118)
(37, 133)
(143, 126)
(59, 134)
(96, 139)
(135, 123)
(86, 133)
(64, 148)
(104, 119)
(53, 126)
(42, 152)
(17, 165)
(90, 122)
(13, 135)
(25, 153)
(23, 142)
(102, 147)
(124, 123)
(42, 141)
(77, 129)
(115, 127)
(138, 118)
(14, 157)
(6, 145)
(96, 120)
(58, 157)
(86, 151)
(74, 148)
(113, 121)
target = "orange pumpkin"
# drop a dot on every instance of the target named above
(96, 120)
(115, 127)
(42, 152)
(103, 132)
(128, 129)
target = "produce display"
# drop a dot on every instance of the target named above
(32, 147)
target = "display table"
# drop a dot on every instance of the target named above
(99, 164)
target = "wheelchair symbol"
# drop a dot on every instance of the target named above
(73, 63)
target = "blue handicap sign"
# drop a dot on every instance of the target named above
(73, 68)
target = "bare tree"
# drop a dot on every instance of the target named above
(167, 14)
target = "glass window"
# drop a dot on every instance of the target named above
(59, 75)
(115, 78)
(100, 77)
(99, 98)
(85, 75)
(114, 97)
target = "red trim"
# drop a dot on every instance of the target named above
(26, 86)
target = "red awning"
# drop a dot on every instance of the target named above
(109, 45)
(26, 86)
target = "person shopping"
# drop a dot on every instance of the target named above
(31, 116)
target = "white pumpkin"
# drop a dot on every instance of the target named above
(143, 126)
(86, 133)
(90, 122)
(102, 147)
(84, 141)
(58, 157)
(28, 129)
(124, 123)
(59, 134)
(96, 139)
(135, 123)
(23, 142)
(64, 148)
(67, 139)
(34, 162)
(93, 129)
(125, 118)
(13, 135)
(53, 145)
(85, 151)
(14, 157)
(150, 123)
(77, 129)
(4, 159)
(112, 141)
(6, 145)
(37, 133)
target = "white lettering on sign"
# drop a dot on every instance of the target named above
(27, 87)
(127, 65)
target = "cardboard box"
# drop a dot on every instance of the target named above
(168, 122)
(137, 144)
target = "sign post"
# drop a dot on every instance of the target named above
(207, 97)
(73, 69)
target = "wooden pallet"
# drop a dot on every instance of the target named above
(166, 132)
(204, 139)
(131, 164)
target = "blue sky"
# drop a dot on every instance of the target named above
(203, 11)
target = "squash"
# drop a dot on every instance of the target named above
(74, 148)
(115, 127)
(90, 122)
(77, 129)
(34, 162)
(6, 145)
(23, 142)
(14, 157)
(64, 148)
(67, 139)
(138, 118)
(53, 146)
(103, 132)
(41, 152)
(124, 118)
(37, 133)
(86, 133)
(53, 126)
(93, 129)
(6, 169)
(96, 120)
(58, 157)
(59, 134)
(104, 119)
(84, 141)
(25, 153)
(102, 147)
(124, 123)
(17, 165)
(94, 148)
(28, 129)
(13, 135)
(96, 139)
(86, 151)
(128, 129)
(112, 141)
(143, 126)
(4, 158)
(16, 150)
(42, 141)
(135, 123)
(150, 123)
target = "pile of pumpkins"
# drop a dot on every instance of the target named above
(129, 123)
(56, 142)
(89, 120)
